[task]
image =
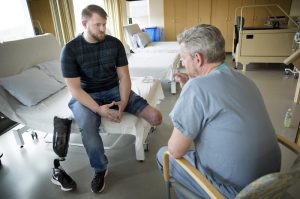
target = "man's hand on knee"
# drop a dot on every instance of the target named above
(121, 106)
(105, 111)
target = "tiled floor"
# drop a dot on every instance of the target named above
(26, 172)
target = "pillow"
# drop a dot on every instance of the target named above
(142, 39)
(129, 31)
(31, 86)
(134, 42)
(52, 68)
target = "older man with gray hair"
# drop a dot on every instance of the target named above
(222, 113)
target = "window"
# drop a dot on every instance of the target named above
(15, 21)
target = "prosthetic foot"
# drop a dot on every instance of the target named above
(61, 136)
(61, 178)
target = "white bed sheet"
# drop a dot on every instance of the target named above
(160, 47)
(40, 117)
(158, 65)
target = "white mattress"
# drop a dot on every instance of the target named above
(158, 65)
(160, 47)
(40, 117)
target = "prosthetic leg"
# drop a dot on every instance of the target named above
(61, 136)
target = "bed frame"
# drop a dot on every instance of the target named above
(16, 56)
(263, 44)
(155, 48)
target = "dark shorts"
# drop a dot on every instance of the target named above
(135, 102)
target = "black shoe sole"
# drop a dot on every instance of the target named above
(99, 190)
(59, 184)
(106, 172)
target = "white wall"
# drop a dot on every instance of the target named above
(155, 18)
(139, 12)
(156, 13)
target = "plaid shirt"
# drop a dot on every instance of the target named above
(95, 63)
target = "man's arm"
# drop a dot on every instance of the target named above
(81, 96)
(124, 87)
(178, 144)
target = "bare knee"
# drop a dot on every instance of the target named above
(156, 118)
(151, 115)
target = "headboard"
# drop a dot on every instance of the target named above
(129, 31)
(18, 55)
(132, 29)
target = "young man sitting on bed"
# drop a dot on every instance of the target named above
(225, 117)
(95, 69)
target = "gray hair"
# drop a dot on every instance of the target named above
(204, 39)
(90, 9)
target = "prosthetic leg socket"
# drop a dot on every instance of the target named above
(61, 136)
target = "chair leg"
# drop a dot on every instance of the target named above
(168, 190)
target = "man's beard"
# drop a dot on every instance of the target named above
(98, 37)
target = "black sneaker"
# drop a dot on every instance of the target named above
(98, 183)
(62, 179)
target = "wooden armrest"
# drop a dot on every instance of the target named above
(290, 145)
(194, 173)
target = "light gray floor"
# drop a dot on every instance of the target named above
(26, 172)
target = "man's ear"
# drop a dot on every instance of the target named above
(84, 23)
(199, 58)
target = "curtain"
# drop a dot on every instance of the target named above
(114, 19)
(64, 20)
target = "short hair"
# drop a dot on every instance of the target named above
(90, 9)
(205, 39)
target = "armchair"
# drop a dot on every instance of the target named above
(274, 185)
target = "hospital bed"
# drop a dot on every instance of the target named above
(262, 44)
(17, 57)
(132, 30)
(159, 59)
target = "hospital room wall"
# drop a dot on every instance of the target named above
(295, 8)
(156, 13)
